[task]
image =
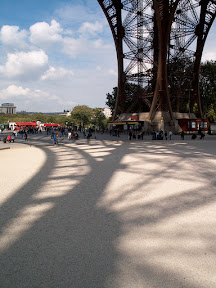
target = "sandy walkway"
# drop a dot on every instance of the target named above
(109, 214)
(17, 166)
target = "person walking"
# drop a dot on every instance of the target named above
(25, 135)
(54, 139)
(170, 135)
(130, 135)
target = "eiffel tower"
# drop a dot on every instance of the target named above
(148, 36)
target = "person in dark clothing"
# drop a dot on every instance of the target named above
(194, 136)
(202, 135)
(134, 135)
(130, 135)
(26, 136)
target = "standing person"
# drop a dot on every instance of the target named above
(89, 136)
(182, 135)
(9, 138)
(202, 135)
(12, 137)
(52, 133)
(170, 135)
(54, 139)
(165, 135)
(134, 135)
(26, 135)
(153, 135)
(130, 135)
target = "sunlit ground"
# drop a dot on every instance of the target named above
(116, 214)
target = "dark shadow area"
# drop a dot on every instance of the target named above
(73, 242)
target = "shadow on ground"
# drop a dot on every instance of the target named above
(71, 225)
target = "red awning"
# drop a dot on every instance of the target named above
(51, 125)
(25, 123)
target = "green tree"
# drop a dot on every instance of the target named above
(180, 74)
(81, 115)
(132, 92)
(208, 89)
(111, 99)
(211, 114)
(98, 117)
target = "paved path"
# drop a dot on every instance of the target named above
(108, 214)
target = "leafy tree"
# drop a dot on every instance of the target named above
(98, 117)
(81, 115)
(21, 117)
(111, 99)
(132, 92)
(41, 117)
(180, 74)
(211, 114)
(208, 89)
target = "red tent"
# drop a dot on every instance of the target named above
(26, 124)
(50, 125)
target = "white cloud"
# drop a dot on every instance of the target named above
(57, 73)
(99, 44)
(13, 37)
(73, 47)
(91, 28)
(19, 93)
(29, 65)
(77, 14)
(208, 56)
(112, 72)
(13, 91)
(43, 34)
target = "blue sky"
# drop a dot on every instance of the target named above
(55, 54)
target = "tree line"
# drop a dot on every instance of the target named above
(180, 84)
(81, 116)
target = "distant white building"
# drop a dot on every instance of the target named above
(8, 108)
(66, 113)
(107, 112)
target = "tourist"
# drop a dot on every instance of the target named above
(130, 135)
(134, 136)
(54, 139)
(9, 138)
(202, 135)
(12, 137)
(25, 135)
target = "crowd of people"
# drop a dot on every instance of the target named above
(67, 132)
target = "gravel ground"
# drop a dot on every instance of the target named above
(108, 213)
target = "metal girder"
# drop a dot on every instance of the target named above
(150, 34)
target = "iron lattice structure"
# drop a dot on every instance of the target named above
(151, 37)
